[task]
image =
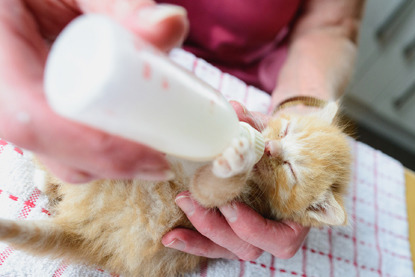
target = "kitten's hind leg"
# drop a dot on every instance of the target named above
(42, 237)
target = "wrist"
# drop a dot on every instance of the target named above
(289, 90)
(299, 105)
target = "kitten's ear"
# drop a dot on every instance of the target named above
(329, 111)
(329, 211)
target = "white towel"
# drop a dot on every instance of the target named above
(375, 244)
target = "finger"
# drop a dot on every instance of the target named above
(35, 127)
(165, 26)
(256, 120)
(212, 225)
(192, 242)
(282, 239)
(21, 47)
(52, 17)
(27, 120)
(77, 146)
(66, 173)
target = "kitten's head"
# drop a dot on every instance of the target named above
(307, 160)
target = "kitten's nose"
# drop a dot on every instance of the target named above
(273, 148)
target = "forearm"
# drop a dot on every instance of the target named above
(320, 59)
(318, 66)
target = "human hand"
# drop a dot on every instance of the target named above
(236, 230)
(72, 151)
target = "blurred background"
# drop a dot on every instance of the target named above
(381, 97)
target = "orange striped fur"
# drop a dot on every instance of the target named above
(118, 225)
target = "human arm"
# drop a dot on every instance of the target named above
(321, 50)
(75, 153)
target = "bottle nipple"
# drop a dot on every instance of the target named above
(253, 137)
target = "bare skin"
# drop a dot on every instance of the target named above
(28, 27)
(321, 51)
(320, 58)
(237, 231)
(322, 45)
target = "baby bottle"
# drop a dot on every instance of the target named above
(101, 75)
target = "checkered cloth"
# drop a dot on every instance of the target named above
(375, 244)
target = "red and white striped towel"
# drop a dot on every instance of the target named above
(375, 244)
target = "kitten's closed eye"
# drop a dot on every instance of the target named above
(291, 169)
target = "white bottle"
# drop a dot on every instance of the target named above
(99, 74)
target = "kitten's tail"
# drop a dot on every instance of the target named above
(38, 237)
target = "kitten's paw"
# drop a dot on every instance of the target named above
(236, 159)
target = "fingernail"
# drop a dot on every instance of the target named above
(153, 15)
(229, 212)
(164, 175)
(186, 204)
(176, 244)
(245, 110)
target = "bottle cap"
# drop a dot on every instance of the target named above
(254, 137)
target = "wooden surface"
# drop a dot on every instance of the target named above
(410, 199)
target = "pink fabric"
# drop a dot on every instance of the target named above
(243, 38)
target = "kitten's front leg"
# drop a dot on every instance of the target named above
(237, 159)
(217, 184)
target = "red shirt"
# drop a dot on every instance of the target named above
(244, 38)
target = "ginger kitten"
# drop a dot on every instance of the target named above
(118, 225)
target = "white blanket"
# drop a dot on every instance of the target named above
(375, 244)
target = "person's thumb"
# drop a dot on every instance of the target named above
(163, 25)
